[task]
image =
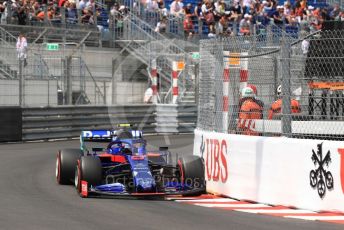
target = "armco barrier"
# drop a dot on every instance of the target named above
(67, 121)
(10, 123)
(303, 173)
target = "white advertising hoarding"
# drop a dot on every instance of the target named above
(302, 173)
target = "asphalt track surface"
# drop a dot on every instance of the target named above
(31, 199)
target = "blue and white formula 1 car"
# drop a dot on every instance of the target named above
(126, 168)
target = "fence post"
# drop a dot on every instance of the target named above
(219, 87)
(111, 30)
(21, 83)
(68, 81)
(286, 94)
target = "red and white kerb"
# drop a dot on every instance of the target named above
(154, 75)
(175, 74)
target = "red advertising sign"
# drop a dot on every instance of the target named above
(215, 160)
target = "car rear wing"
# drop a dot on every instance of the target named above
(105, 135)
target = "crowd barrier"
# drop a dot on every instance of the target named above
(42, 123)
(302, 173)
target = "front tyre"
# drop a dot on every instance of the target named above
(89, 170)
(191, 171)
(65, 164)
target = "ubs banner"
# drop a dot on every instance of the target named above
(303, 173)
(11, 124)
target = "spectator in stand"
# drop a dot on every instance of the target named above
(82, 4)
(162, 25)
(340, 16)
(278, 16)
(188, 27)
(162, 7)
(152, 6)
(188, 11)
(236, 11)
(87, 16)
(2, 11)
(22, 48)
(176, 8)
(71, 13)
(198, 11)
(223, 26)
(91, 4)
(219, 9)
(245, 25)
(207, 12)
(246, 5)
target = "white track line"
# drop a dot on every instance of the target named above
(232, 205)
(317, 217)
(208, 200)
(287, 211)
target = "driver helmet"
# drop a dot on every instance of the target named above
(116, 148)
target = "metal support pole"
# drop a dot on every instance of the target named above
(113, 91)
(21, 83)
(196, 69)
(286, 94)
(112, 31)
(68, 81)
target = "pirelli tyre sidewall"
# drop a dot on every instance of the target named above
(192, 172)
(88, 169)
(66, 160)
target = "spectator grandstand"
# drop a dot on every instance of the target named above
(185, 18)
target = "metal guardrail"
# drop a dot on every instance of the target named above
(42, 123)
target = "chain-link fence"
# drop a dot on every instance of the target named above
(273, 86)
(55, 78)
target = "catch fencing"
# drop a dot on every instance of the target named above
(309, 72)
(64, 72)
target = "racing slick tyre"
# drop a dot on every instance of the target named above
(191, 170)
(89, 170)
(65, 165)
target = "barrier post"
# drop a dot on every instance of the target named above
(21, 83)
(286, 110)
(243, 70)
(175, 90)
(154, 75)
(225, 100)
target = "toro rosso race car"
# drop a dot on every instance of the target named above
(125, 167)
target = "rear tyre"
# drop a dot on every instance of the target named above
(88, 169)
(66, 160)
(191, 170)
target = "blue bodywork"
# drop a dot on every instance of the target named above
(129, 157)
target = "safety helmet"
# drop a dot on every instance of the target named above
(279, 90)
(253, 87)
(247, 92)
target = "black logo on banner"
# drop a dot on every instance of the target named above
(320, 178)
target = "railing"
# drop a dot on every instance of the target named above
(67, 121)
(147, 44)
